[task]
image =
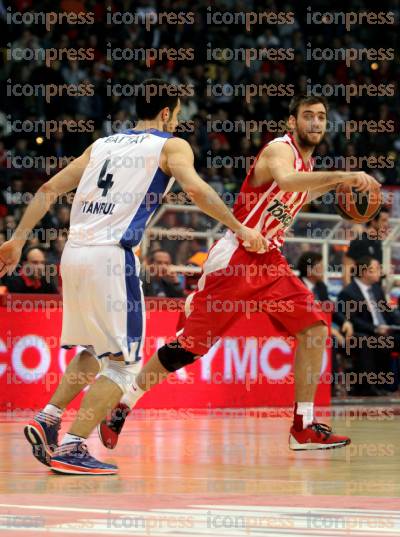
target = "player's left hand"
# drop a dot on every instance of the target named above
(252, 239)
(10, 254)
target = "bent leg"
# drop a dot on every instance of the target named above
(102, 396)
(80, 372)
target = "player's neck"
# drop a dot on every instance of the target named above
(144, 125)
(305, 151)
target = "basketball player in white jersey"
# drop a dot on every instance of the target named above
(120, 181)
(278, 184)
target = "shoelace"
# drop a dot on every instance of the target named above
(57, 427)
(51, 421)
(48, 419)
(322, 429)
(79, 449)
(83, 449)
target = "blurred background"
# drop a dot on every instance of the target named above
(28, 156)
(224, 122)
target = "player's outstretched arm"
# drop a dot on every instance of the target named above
(277, 161)
(64, 181)
(179, 163)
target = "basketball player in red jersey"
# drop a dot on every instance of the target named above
(279, 183)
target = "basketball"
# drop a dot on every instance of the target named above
(357, 206)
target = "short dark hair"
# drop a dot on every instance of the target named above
(362, 264)
(153, 253)
(302, 98)
(153, 95)
(30, 248)
(307, 260)
(383, 209)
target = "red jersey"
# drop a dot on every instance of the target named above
(268, 208)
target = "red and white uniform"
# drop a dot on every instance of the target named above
(236, 282)
(268, 208)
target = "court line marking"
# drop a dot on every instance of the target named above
(298, 508)
(199, 515)
(198, 478)
(199, 508)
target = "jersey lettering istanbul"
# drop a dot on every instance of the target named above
(120, 189)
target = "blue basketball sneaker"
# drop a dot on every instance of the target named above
(74, 458)
(42, 434)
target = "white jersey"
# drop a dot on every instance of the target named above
(120, 189)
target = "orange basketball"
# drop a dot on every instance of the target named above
(357, 206)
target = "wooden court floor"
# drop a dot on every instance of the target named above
(209, 475)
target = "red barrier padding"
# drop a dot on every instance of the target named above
(251, 366)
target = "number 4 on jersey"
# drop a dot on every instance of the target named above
(107, 182)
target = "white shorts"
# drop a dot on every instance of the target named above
(103, 304)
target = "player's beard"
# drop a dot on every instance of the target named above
(306, 142)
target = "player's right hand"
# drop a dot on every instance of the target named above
(10, 253)
(252, 239)
(363, 182)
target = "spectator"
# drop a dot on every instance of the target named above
(57, 247)
(368, 244)
(160, 279)
(3, 205)
(32, 277)
(311, 272)
(214, 118)
(62, 222)
(364, 304)
(191, 278)
(14, 196)
(10, 225)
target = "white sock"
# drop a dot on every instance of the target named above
(307, 411)
(53, 410)
(68, 438)
(132, 396)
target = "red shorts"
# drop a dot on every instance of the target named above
(236, 282)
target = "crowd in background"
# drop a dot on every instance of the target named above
(215, 120)
(222, 154)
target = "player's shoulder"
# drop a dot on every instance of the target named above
(176, 151)
(276, 148)
(174, 145)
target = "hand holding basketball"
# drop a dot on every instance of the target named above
(358, 198)
(362, 181)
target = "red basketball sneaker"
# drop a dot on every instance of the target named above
(109, 430)
(315, 436)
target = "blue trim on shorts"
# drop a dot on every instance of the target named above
(107, 353)
(134, 319)
(69, 347)
(155, 132)
(150, 202)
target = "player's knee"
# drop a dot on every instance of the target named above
(120, 373)
(87, 360)
(313, 336)
(173, 356)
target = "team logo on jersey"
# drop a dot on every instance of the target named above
(281, 212)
